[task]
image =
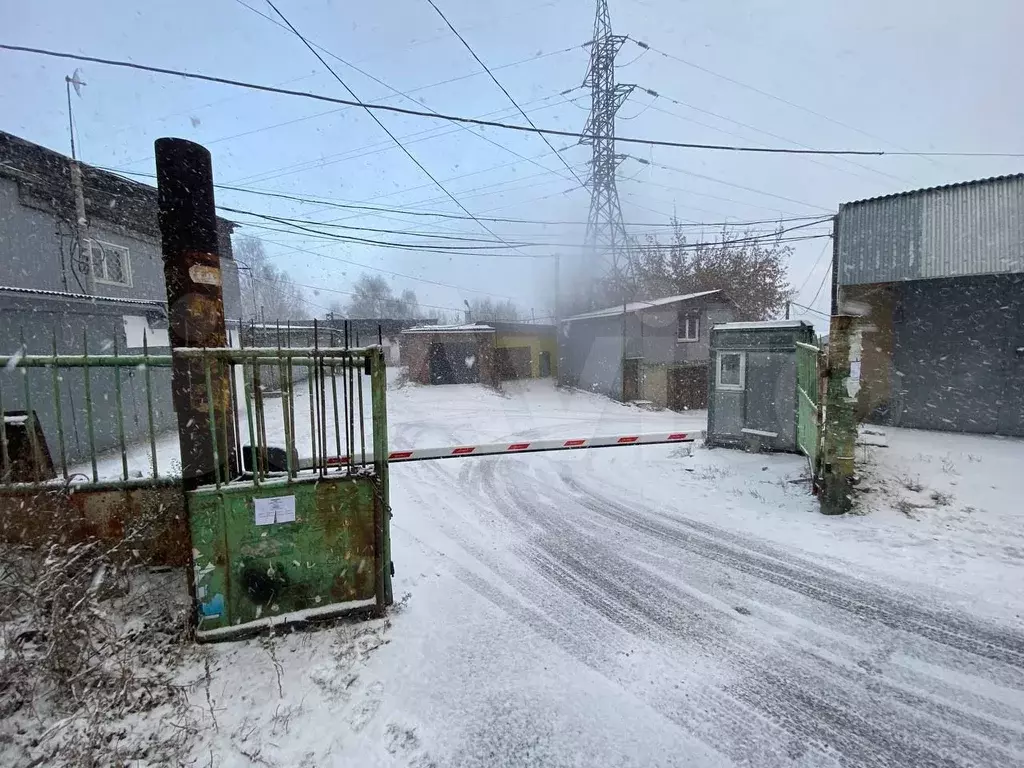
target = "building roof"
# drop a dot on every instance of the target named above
(637, 306)
(954, 185)
(755, 324)
(82, 297)
(470, 328)
(957, 230)
(45, 176)
(539, 329)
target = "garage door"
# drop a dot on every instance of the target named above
(954, 354)
(454, 364)
(688, 388)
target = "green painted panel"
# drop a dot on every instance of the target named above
(245, 571)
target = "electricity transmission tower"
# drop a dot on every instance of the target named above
(606, 235)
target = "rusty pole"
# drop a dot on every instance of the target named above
(195, 302)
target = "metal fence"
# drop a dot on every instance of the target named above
(70, 418)
(84, 399)
(808, 422)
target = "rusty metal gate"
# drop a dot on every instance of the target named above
(808, 412)
(278, 540)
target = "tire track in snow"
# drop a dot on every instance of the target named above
(828, 704)
(831, 587)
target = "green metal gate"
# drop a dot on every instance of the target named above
(273, 542)
(808, 412)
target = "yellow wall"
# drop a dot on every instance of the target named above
(654, 384)
(537, 344)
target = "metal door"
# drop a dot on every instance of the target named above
(1011, 412)
(630, 380)
(808, 424)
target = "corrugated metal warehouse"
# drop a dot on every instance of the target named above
(937, 277)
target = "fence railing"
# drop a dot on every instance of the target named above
(321, 409)
(75, 418)
(72, 399)
(808, 420)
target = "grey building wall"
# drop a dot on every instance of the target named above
(591, 350)
(590, 355)
(36, 318)
(36, 251)
(975, 228)
(958, 355)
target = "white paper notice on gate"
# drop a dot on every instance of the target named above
(280, 509)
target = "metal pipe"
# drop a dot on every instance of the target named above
(254, 446)
(120, 415)
(334, 394)
(351, 404)
(212, 422)
(33, 440)
(289, 440)
(362, 419)
(88, 407)
(78, 361)
(57, 410)
(149, 405)
(3, 437)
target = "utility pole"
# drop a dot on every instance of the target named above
(606, 234)
(78, 190)
(195, 303)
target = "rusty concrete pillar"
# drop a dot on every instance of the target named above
(195, 303)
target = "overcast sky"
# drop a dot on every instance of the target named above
(894, 74)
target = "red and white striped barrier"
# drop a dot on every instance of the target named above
(524, 446)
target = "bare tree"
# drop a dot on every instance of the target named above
(267, 292)
(484, 310)
(751, 269)
(374, 299)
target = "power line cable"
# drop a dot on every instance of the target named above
(775, 236)
(821, 285)
(381, 124)
(503, 89)
(810, 309)
(814, 267)
(371, 210)
(354, 102)
(726, 183)
(749, 127)
(366, 74)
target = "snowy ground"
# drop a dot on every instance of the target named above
(638, 607)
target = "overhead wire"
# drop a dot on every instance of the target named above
(717, 116)
(726, 183)
(404, 94)
(372, 107)
(377, 120)
(503, 89)
(314, 200)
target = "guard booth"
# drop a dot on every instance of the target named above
(753, 400)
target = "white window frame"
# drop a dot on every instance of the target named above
(683, 334)
(743, 372)
(126, 260)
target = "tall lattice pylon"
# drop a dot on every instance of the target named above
(606, 235)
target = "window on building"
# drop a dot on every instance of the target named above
(731, 370)
(110, 263)
(689, 326)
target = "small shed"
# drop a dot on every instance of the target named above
(752, 381)
(450, 354)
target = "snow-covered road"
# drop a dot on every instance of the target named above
(634, 607)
